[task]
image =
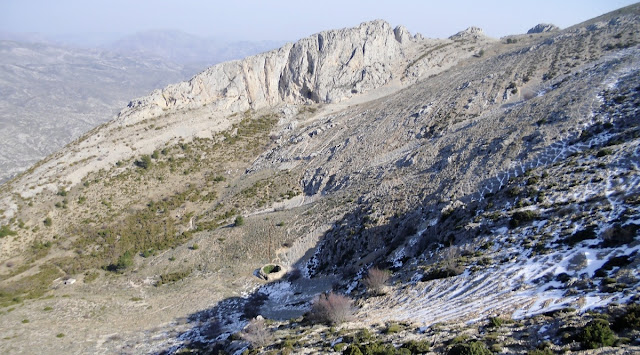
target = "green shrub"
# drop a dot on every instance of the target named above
(630, 320)
(239, 221)
(124, 261)
(392, 328)
(60, 335)
(522, 216)
(377, 348)
(47, 222)
(604, 152)
(172, 277)
(444, 272)
(147, 253)
(473, 348)
(416, 346)
(90, 276)
(271, 268)
(195, 246)
(597, 334)
(144, 162)
(459, 339)
(495, 322)
(352, 349)
(5, 231)
(546, 351)
(339, 347)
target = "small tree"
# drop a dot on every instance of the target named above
(331, 308)
(376, 280)
(597, 334)
(239, 221)
(144, 162)
(257, 333)
(124, 261)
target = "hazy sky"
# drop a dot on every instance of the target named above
(288, 19)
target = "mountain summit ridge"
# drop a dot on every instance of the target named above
(329, 66)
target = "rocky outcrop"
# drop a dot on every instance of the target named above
(543, 27)
(470, 32)
(326, 67)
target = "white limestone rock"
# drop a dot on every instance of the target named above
(326, 67)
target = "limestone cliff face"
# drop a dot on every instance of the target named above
(326, 67)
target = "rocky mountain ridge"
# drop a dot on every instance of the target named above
(496, 179)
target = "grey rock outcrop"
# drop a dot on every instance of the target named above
(326, 67)
(470, 32)
(542, 28)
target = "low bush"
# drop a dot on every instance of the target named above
(473, 348)
(495, 322)
(392, 328)
(331, 308)
(604, 152)
(416, 346)
(583, 234)
(629, 320)
(144, 162)
(521, 217)
(124, 261)
(257, 333)
(444, 272)
(239, 221)
(268, 269)
(5, 231)
(597, 334)
(376, 280)
(172, 277)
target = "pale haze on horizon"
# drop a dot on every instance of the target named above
(286, 19)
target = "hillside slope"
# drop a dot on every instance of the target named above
(497, 180)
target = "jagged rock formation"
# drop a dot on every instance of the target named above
(501, 183)
(542, 28)
(327, 67)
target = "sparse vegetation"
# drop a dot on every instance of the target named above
(472, 348)
(6, 231)
(173, 277)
